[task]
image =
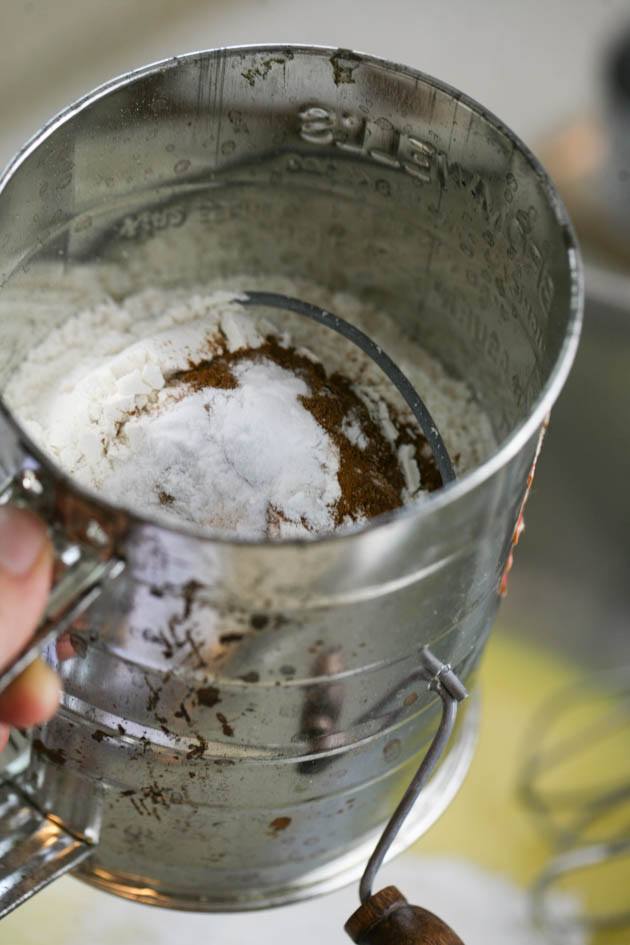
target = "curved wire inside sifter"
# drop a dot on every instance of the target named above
(400, 381)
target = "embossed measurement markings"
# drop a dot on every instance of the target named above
(377, 139)
(381, 142)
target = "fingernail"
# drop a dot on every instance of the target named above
(22, 538)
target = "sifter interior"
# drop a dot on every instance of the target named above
(405, 388)
(366, 178)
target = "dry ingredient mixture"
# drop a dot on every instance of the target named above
(184, 405)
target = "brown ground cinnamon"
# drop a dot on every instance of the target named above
(370, 479)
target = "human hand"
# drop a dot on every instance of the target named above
(26, 563)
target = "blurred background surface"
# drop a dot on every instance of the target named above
(541, 66)
(533, 64)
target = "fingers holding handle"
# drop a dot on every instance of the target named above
(26, 564)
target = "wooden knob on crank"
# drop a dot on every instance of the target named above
(386, 918)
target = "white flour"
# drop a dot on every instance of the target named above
(225, 457)
(98, 395)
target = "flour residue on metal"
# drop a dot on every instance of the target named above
(182, 405)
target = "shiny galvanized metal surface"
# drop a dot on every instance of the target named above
(264, 778)
(51, 850)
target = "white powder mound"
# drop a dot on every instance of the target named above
(226, 457)
(250, 460)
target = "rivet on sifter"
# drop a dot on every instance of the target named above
(69, 555)
(30, 482)
(96, 534)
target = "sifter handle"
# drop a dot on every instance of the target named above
(386, 918)
(35, 848)
(70, 598)
(83, 569)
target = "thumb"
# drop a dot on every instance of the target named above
(25, 576)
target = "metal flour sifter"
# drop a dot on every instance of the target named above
(270, 781)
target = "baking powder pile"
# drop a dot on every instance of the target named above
(183, 405)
